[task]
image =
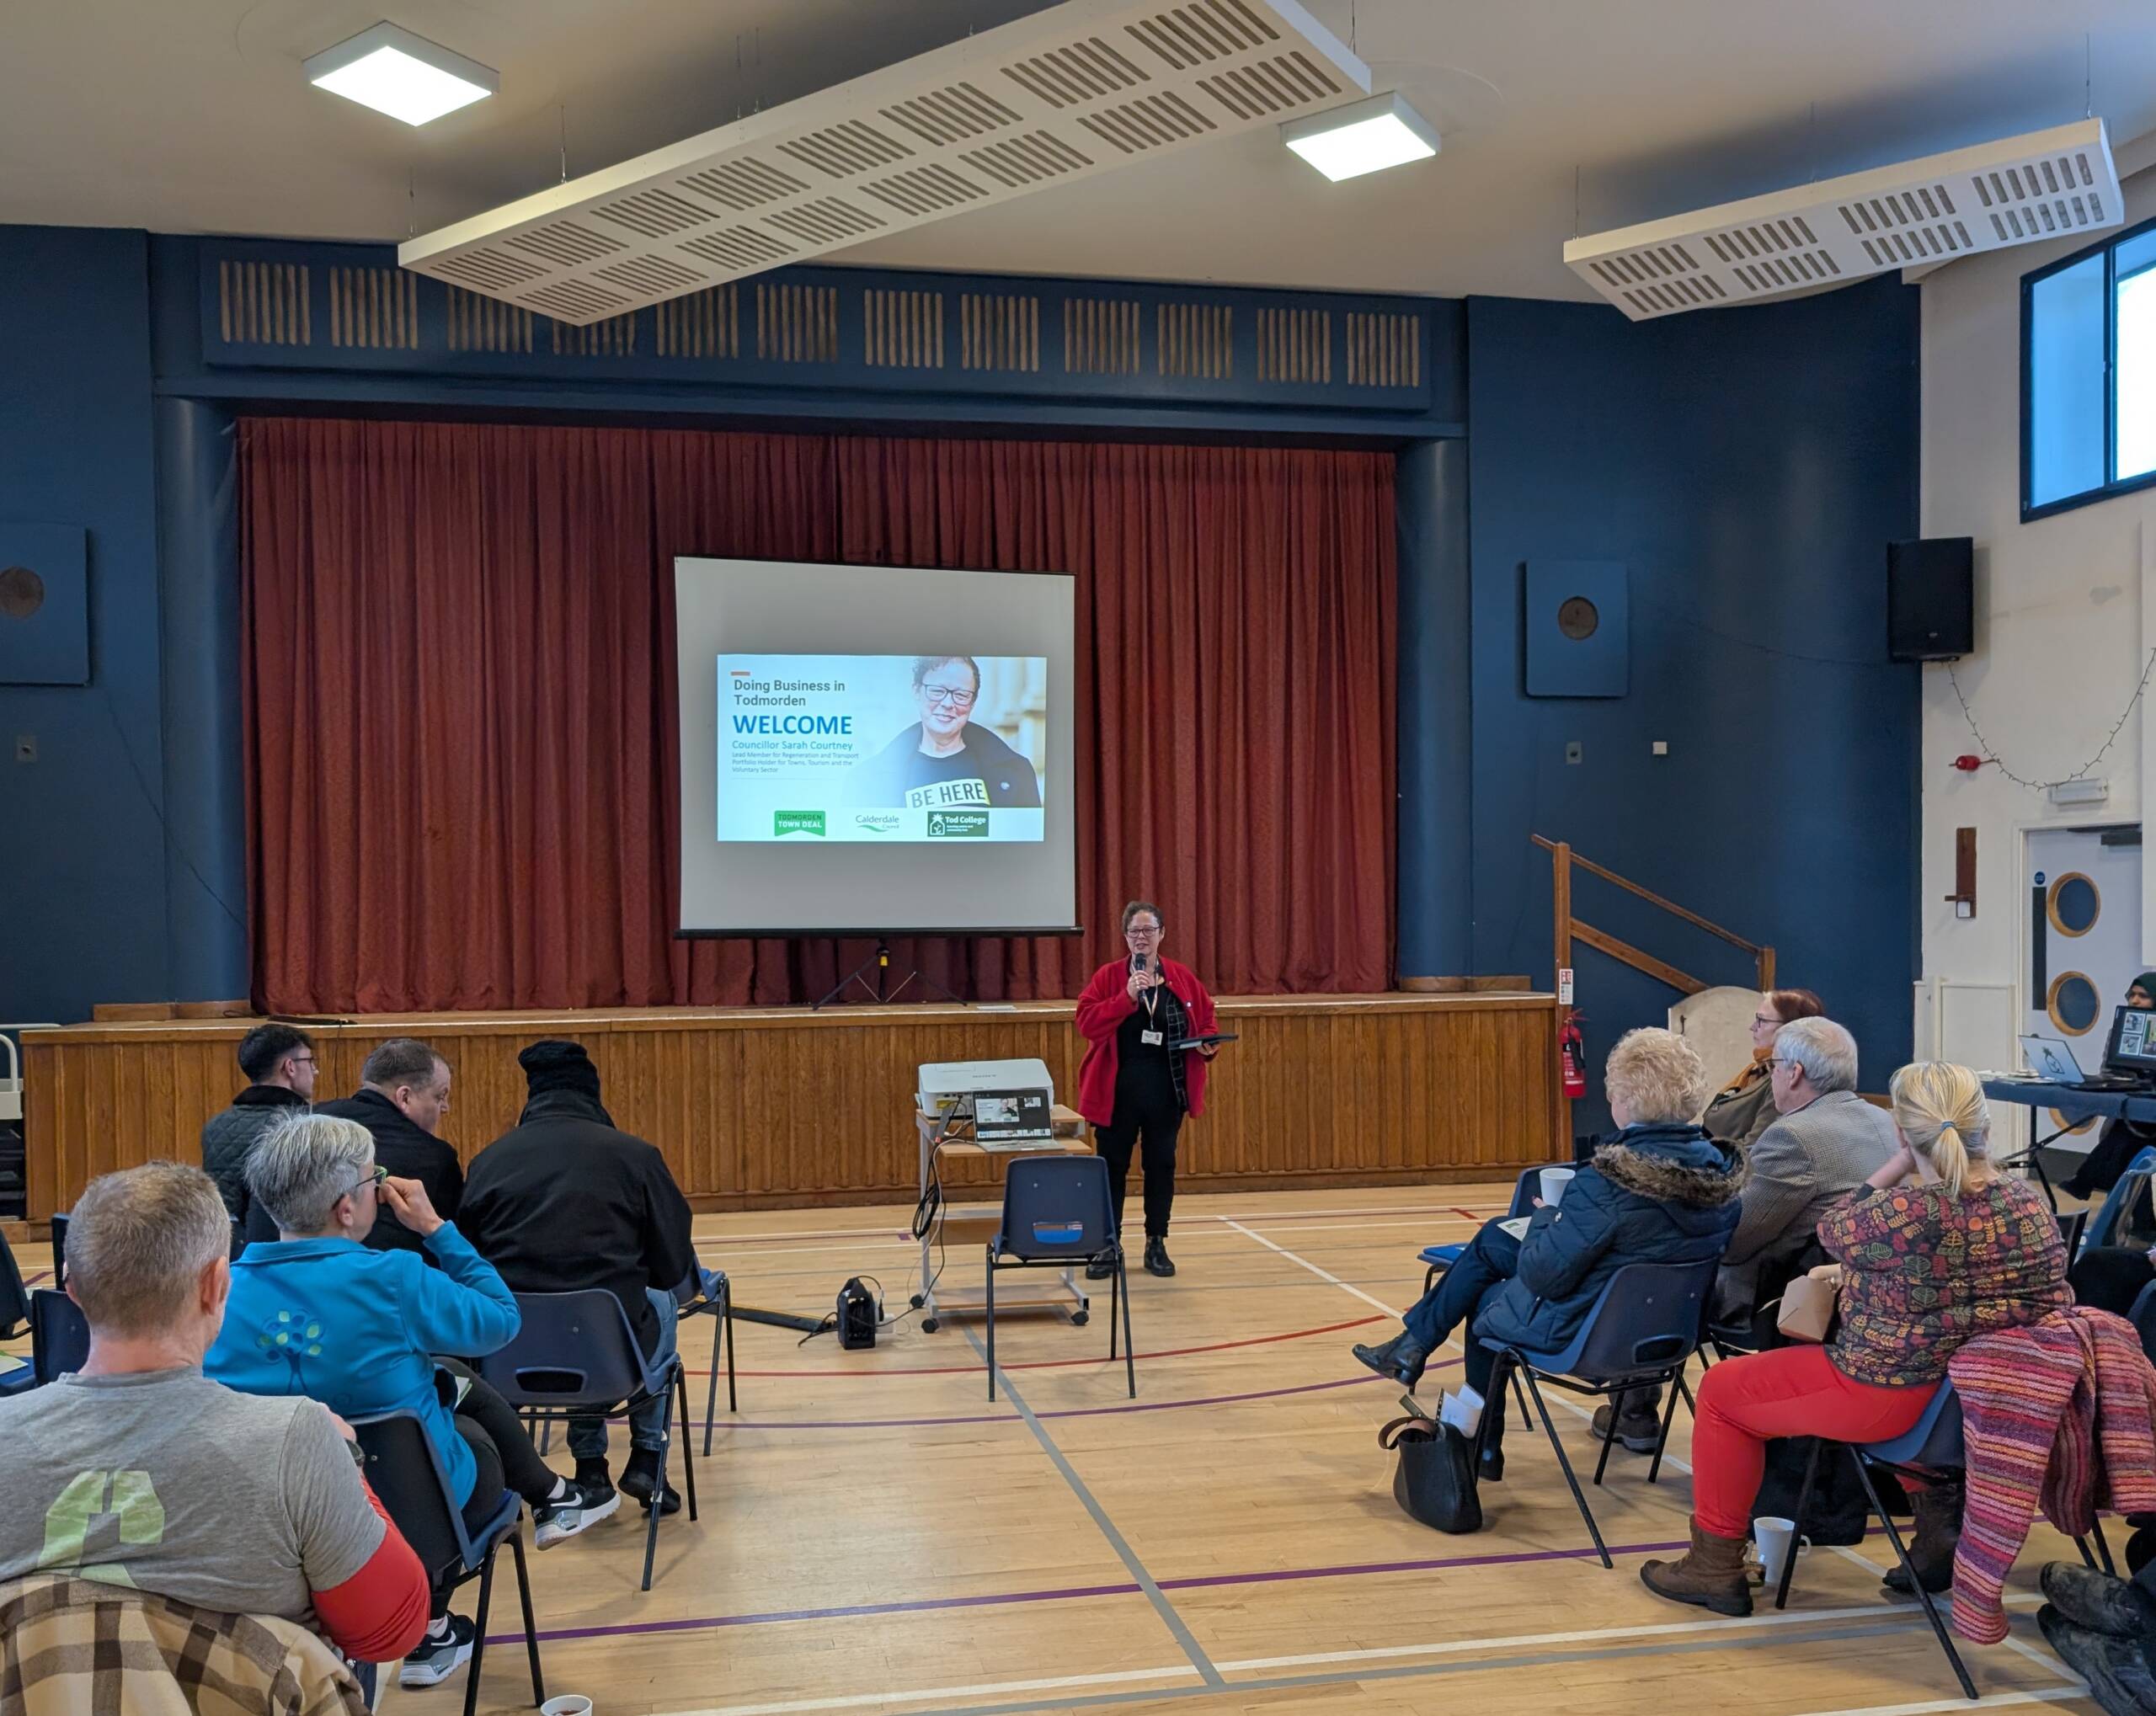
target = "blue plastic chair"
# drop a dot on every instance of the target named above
(2109, 1225)
(2143, 1316)
(1641, 1330)
(60, 1335)
(60, 1251)
(577, 1356)
(1056, 1213)
(706, 1293)
(15, 1297)
(1438, 1259)
(1932, 1444)
(404, 1468)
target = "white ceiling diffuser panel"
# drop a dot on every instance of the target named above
(1075, 90)
(2043, 184)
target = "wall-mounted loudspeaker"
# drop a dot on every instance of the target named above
(1930, 599)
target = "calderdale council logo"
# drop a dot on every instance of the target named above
(877, 821)
(798, 822)
(958, 824)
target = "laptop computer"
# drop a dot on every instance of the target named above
(2053, 1059)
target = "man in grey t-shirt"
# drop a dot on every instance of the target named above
(139, 1472)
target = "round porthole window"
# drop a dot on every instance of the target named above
(22, 592)
(2061, 1124)
(1578, 618)
(2072, 1003)
(2073, 904)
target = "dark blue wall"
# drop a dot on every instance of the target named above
(1748, 466)
(82, 840)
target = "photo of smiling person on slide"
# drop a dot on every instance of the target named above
(944, 758)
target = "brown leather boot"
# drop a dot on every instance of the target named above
(1712, 1575)
(1938, 1534)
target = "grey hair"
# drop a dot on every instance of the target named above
(1823, 1050)
(138, 1243)
(303, 1164)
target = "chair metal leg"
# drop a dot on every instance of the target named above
(991, 1308)
(2103, 1549)
(1579, 1497)
(1429, 1279)
(1115, 1299)
(2088, 1554)
(1803, 1507)
(1129, 1351)
(1902, 1554)
(1616, 1406)
(726, 1322)
(1668, 1418)
(479, 1633)
(711, 1393)
(530, 1626)
(651, 1530)
(1526, 1414)
(688, 1448)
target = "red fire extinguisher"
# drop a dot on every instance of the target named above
(1572, 1056)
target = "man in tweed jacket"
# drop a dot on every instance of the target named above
(1828, 1142)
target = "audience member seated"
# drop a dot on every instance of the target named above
(1937, 1248)
(139, 1471)
(564, 1201)
(279, 1064)
(1660, 1191)
(317, 1313)
(1744, 1107)
(403, 1100)
(2122, 1139)
(1823, 1141)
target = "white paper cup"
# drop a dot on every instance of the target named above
(1554, 1182)
(1776, 1541)
(567, 1704)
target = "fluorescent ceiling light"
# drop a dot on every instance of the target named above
(403, 75)
(1364, 136)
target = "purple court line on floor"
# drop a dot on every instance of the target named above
(1120, 1588)
(31, 1281)
(725, 1423)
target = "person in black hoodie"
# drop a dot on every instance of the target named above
(565, 1200)
(279, 1064)
(403, 1100)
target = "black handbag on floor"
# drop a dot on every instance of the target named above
(1434, 1481)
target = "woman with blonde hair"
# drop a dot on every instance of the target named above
(1660, 1191)
(1937, 1248)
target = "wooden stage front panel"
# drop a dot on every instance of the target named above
(765, 1107)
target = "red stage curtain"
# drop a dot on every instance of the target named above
(460, 713)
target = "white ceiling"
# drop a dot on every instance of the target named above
(191, 116)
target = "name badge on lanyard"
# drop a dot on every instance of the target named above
(1151, 1039)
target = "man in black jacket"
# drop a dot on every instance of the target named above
(564, 1201)
(402, 1100)
(279, 1062)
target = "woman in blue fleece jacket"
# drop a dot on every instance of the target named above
(1660, 1191)
(319, 1313)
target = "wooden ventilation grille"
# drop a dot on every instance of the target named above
(1295, 345)
(264, 303)
(1100, 336)
(999, 332)
(1064, 93)
(374, 309)
(477, 324)
(902, 330)
(706, 324)
(1198, 341)
(1384, 349)
(796, 324)
(614, 338)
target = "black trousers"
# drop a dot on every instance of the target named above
(502, 1448)
(2111, 1277)
(1145, 1107)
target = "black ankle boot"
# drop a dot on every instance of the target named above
(1156, 1258)
(1401, 1358)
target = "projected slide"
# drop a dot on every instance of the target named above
(880, 748)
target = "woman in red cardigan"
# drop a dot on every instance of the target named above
(1132, 1083)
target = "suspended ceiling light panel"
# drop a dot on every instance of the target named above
(1077, 90)
(2018, 190)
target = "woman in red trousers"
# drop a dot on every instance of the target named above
(1134, 1082)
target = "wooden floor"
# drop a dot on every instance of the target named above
(877, 1536)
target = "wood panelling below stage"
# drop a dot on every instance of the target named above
(762, 1107)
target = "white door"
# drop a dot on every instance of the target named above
(2083, 940)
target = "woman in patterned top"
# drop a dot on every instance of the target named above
(1937, 1248)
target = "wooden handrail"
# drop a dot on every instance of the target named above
(1566, 927)
(1654, 899)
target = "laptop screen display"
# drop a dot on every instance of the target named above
(2133, 1041)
